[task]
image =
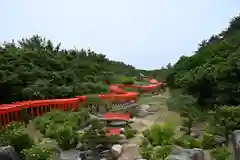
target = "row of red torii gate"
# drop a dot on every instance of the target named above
(13, 112)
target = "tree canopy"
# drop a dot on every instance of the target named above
(212, 74)
(33, 68)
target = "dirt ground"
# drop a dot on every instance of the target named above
(131, 149)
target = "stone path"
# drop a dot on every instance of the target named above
(131, 149)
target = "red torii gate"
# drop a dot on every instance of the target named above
(11, 112)
(113, 131)
(117, 116)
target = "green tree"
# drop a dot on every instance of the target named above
(40, 151)
(212, 73)
(62, 126)
(34, 68)
(157, 141)
(191, 116)
(220, 153)
(161, 152)
(15, 136)
(224, 120)
(186, 105)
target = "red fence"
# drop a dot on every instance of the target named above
(12, 112)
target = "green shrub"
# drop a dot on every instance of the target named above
(127, 80)
(146, 149)
(96, 135)
(74, 119)
(181, 141)
(39, 151)
(3, 140)
(41, 122)
(179, 99)
(129, 132)
(93, 99)
(98, 87)
(160, 134)
(150, 152)
(15, 136)
(64, 134)
(187, 141)
(62, 126)
(208, 141)
(195, 143)
(66, 137)
(161, 152)
(220, 153)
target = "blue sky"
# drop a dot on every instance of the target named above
(145, 33)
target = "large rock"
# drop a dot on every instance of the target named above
(106, 155)
(116, 150)
(79, 146)
(71, 154)
(142, 113)
(144, 106)
(153, 108)
(177, 157)
(8, 153)
(187, 154)
(195, 154)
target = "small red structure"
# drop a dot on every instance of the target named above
(113, 131)
(117, 116)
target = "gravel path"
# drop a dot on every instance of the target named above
(131, 149)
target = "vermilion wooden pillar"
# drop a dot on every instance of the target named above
(1, 122)
(32, 109)
(16, 115)
(4, 120)
(50, 107)
(10, 115)
(44, 108)
(64, 106)
(60, 106)
(68, 106)
(7, 118)
(40, 111)
(77, 104)
(37, 110)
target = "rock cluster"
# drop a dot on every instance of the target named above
(8, 153)
(187, 154)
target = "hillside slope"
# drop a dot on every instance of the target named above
(212, 74)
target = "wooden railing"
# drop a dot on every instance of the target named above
(13, 112)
